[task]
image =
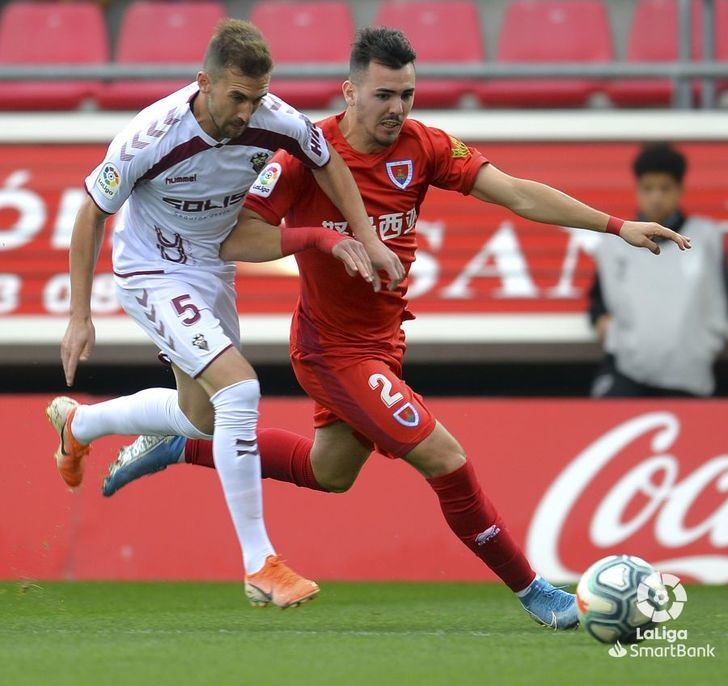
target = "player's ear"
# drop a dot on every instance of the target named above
(203, 82)
(347, 88)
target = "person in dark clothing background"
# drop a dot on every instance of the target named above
(663, 322)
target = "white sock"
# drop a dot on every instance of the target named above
(235, 451)
(523, 593)
(154, 411)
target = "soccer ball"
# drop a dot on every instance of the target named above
(606, 598)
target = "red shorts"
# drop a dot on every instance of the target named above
(368, 394)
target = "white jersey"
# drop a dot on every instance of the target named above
(184, 188)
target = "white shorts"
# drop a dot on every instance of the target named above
(191, 316)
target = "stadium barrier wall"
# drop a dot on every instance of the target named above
(483, 277)
(575, 480)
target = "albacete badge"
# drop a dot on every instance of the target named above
(400, 173)
(459, 149)
(258, 161)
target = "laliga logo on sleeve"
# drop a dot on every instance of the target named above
(109, 180)
(267, 180)
(657, 585)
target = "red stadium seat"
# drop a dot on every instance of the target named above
(653, 37)
(439, 32)
(720, 40)
(306, 32)
(550, 31)
(721, 36)
(160, 33)
(38, 33)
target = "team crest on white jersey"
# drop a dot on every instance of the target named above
(199, 342)
(258, 161)
(400, 173)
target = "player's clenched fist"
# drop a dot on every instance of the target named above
(640, 234)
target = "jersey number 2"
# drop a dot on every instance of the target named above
(386, 394)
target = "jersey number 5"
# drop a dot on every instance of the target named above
(181, 307)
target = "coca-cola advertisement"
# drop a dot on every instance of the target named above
(472, 258)
(640, 486)
(575, 480)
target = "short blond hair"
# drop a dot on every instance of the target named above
(237, 45)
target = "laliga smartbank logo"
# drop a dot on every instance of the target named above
(661, 598)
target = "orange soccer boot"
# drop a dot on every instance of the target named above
(277, 583)
(71, 454)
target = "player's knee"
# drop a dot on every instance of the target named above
(437, 456)
(456, 461)
(447, 463)
(337, 483)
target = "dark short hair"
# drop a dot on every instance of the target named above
(237, 45)
(382, 45)
(660, 158)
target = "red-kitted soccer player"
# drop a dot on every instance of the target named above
(347, 344)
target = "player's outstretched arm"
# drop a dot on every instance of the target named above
(336, 181)
(88, 234)
(541, 203)
(254, 240)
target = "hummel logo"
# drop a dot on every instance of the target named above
(180, 179)
(246, 447)
(490, 533)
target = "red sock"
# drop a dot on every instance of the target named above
(476, 522)
(284, 456)
(199, 451)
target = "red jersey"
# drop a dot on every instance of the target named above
(335, 312)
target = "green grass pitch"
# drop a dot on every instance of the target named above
(373, 634)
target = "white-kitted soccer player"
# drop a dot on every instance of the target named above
(184, 166)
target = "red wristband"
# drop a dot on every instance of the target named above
(298, 238)
(614, 225)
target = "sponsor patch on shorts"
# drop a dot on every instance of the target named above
(109, 180)
(266, 181)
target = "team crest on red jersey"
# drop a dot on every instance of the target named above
(407, 415)
(400, 173)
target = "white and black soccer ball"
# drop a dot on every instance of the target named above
(606, 598)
